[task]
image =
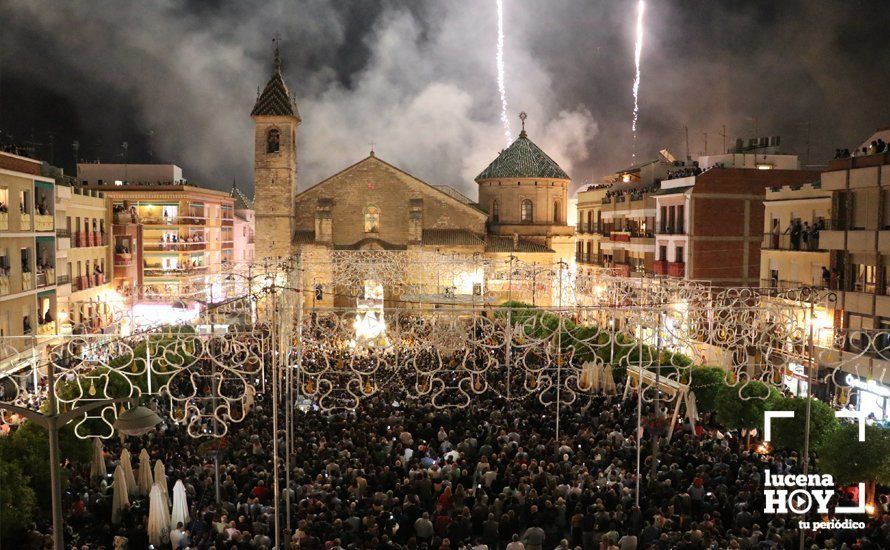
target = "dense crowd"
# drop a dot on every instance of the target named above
(492, 475)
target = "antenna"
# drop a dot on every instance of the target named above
(686, 129)
(723, 135)
(705, 134)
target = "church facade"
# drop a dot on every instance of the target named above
(373, 209)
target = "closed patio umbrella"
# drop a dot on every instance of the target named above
(98, 470)
(119, 497)
(145, 480)
(180, 504)
(158, 518)
(127, 463)
(161, 479)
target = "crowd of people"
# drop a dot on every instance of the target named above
(634, 194)
(402, 474)
(875, 147)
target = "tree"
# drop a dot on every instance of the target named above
(28, 447)
(849, 460)
(742, 406)
(706, 383)
(789, 433)
(17, 499)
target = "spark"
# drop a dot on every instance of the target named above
(500, 63)
(638, 50)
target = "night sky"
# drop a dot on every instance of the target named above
(177, 80)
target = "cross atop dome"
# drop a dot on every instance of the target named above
(522, 117)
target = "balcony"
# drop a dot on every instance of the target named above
(783, 242)
(63, 279)
(4, 285)
(43, 222)
(123, 218)
(86, 239)
(4, 221)
(173, 220)
(47, 277)
(174, 246)
(671, 230)
(676, 269)
(620, 236)
(660, 267)
(27, 281)
(84, 282)
(24, 221)
(46, 329)
(123, 259)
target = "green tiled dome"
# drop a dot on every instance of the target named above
(523, 159)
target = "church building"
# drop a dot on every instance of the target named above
(373, 207)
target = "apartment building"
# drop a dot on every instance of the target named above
(28, 301)
(83, 228)
(709, 217)
(169, 239)
(616, 219)
(792, 254)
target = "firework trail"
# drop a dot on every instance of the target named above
(500, 63)
(638, 50)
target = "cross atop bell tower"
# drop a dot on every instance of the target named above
(276, 118)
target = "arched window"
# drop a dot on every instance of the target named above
(556, 212)
(372, 220)
(495, 212)
(528, 211)
(273, 140)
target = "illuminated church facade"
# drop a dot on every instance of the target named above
(375, 209)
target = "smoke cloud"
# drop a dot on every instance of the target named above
(418, 79)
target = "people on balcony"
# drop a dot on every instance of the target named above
(3, 208)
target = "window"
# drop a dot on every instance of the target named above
(527, 213)
(26, 260)
(679, 255)
(663, 253)
(589, 221)
(556, 213)
(495, 212)
(372, 220)
(680, 219)
(273, 140)
(864, 277)
(24, 202)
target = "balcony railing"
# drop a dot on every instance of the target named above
(63, 279)
(24, 221)
(4, 284)
(660, 267)
(84, 282)
(174, 246)
(43, 222)
(27, 281)
(676, 269)
(63, 233)
(123, 259)
(4, 221)
(46, 277)
(84, 239)
(123, 218)
(671, 230)
(46, 329)
(173, 220)
(783, 241)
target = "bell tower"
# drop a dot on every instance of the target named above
(276, 119)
